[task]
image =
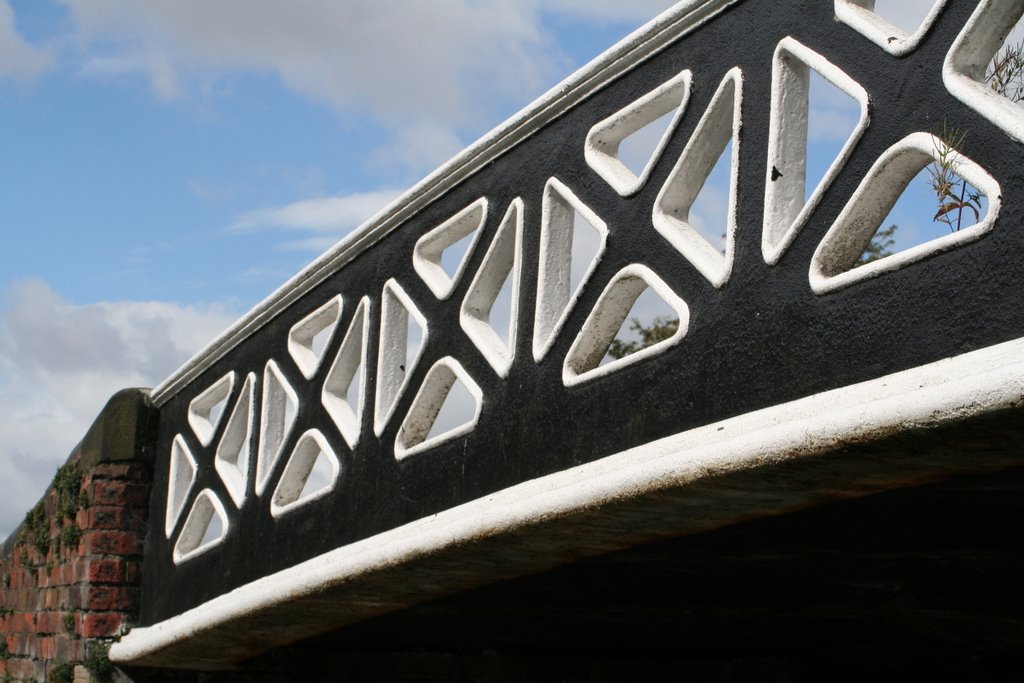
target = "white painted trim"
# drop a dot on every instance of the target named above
(392, 376)
(785, 211)
(412, 437)
(181, 478)
(554, 300)
(300, 337)
(963, 71)
(427, 254)
(635, 49)
(504, 258)
(273, 413)
(200, 407)
(861, 17)
(601, 148)
(190, 541)
(612, 308)
(832, 263)
(948, 390)
(237, 442)
(351, 355)
(288, 493)
(716, 128)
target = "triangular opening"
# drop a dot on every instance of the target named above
(934, 196)
(607, 341)
(205, 527)
(818, 114)
(403, 337)
(695, 210)
(311, 472)
(206, 410)
(232, 459)
(440, 256)
(624, 147)
(343, 390)
(572, 241)
(906, 16)
(649, 321)
(446, 406)
(280, 406)
(181, 477)
(490, 310)
(308, 338)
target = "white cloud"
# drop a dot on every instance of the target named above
(18, 59)
(60, 362)
(336, 216)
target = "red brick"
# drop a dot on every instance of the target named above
(111, 543)
(105, 571)
(47, 648)
(106, 517)
(100, 625)
(119, 493)
(103, 598)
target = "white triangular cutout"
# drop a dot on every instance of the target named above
(181, 477)
(235, 447)
(440, 256)
(397, 357)
(896, 26)
(800, 82)
(717, 131)
(280, 406)
(624, 147)
(835, 263)
(308, 338)
(583, 362)
(205, 527)
(417, 432)
(345, 385)
(311, 472)
(207, 409)
(566, 260)
(649, 321)
(483, 316)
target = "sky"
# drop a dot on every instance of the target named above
(165, 165)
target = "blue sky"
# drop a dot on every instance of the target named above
(164, 165)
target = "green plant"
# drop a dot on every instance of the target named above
(70, 535)
(69, 622)
(61, 672)
(37, 528)
(880, 246)
(954, 194)
(1005, 73)
(97, 660)
(5, 652)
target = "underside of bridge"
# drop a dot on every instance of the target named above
(918, 580)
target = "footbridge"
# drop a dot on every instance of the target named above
(421, 443)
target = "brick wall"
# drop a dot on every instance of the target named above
(70, 572)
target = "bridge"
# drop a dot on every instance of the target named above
(406, 461)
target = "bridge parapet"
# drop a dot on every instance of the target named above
(301, 452)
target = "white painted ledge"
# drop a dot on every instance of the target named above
(358, 580)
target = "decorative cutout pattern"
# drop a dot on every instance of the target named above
(206, 410)
(295, 489)
(719, 126)
(204, 529)
(396, 359)
(555, 292)
(860, 15)
(235, 447)
(179, 483)
(429, 250)
(414, 436)
(280, 406)
(348, 376)
(833, 264)
(502, 261)
(965, 67)
(785, 185)
(583, 362)
(604, 139)
(308, 338)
